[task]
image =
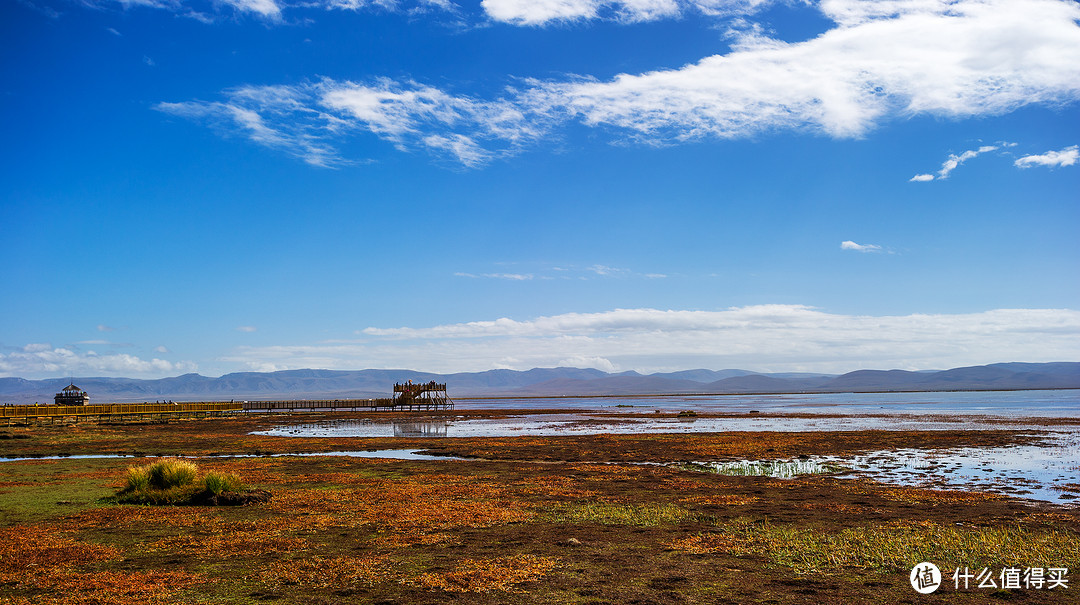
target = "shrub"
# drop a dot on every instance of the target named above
(216, 483)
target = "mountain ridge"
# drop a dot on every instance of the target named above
(539, 382)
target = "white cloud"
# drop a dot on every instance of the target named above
(954, 59)
(850, 245)
(42, 360)
(579, 361)
(264, 8)
(273, 116)
(162, 349)
(506, 276)
(105, 328)
(304, 120)
(248, 329)
(953, 162)
(537, 12)
(546, 12)
(1066, 157)
(580, 272)
(542, 12)
(884, 61)
(763, 337)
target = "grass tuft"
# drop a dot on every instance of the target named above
(171, 472)
(216, 483)
(168, 481)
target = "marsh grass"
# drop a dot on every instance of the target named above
(605, 513)
(216, 483)
(893, 546)
(170, 481)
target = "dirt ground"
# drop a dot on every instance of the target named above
(519, 520)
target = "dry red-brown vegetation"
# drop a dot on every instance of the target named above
(567, 529)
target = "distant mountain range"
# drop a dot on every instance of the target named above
(320, 384)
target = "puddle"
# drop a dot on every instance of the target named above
(1050, 473)
(779, 469)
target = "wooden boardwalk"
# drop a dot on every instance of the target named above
(115, 412)
(374, 405)
(125, 412)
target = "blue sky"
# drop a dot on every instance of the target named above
(646, 185)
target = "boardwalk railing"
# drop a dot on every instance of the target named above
(150, 411)
(118, 411)
(444, 403)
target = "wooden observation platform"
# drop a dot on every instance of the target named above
(72, 395)
(425, 396)
(72, 404)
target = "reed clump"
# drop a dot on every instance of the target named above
(218, 483)
(167, 481)
(176, 481)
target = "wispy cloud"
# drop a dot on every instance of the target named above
(850, 245)
(268, 9)
(883, 61)
(506, 276)
(41, 360)
(248, 329)
(100, 342)
(763, 337)
(563, 272)
(543, 12)
(952, 163)
(1066, 157)
(105, 328)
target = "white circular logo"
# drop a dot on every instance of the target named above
(925, 578)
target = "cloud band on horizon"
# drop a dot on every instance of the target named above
(761, 337)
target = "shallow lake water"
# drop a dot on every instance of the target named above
(1050, 472)
(1058, 403)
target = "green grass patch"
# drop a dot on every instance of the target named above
(216, 483)
(173, 481)
(605, 513)
(33, 491)
(893, 546)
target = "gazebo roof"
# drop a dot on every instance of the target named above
(71, 387)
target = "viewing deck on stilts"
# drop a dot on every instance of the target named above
(408, 397)
(426, 396)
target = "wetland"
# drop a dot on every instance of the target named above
(596, 514)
